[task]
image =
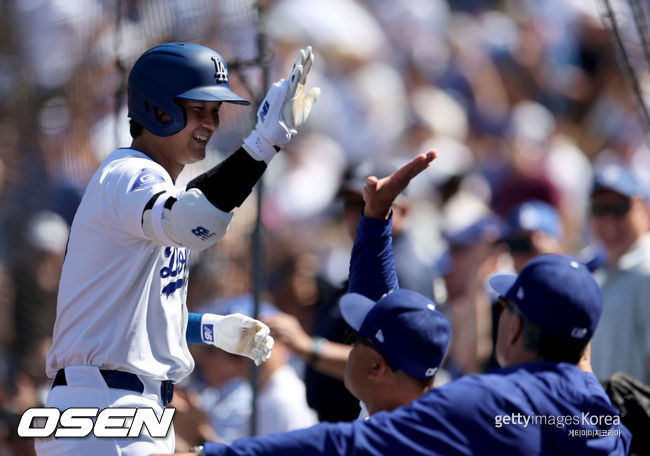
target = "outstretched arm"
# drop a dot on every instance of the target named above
(200, 216)
(372, 266)
(379, 194)
(280, 116)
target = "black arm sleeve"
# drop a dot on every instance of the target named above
(229, 183)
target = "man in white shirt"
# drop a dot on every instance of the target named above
(619, 219)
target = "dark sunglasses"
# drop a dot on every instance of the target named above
(520, 245)
(616, 210)
(352, 338)
(506, 304)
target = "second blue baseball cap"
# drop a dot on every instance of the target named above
(404, 327)
(555, 292)
(535, 215)
(619, 179)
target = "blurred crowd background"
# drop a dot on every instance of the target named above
(522, 99)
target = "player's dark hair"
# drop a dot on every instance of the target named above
(135, 128)
(548, 346)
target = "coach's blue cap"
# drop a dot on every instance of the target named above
(555, 292)
(404, 326)
(535, 215)
(619, 179)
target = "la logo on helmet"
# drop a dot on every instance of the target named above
(221, 74)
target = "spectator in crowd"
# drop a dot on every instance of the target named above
(321, 349)
(534, 228)
(227, 394)
(620, 221)
(472, 255)
(224, 392)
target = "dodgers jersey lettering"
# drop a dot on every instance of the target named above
(121, 302)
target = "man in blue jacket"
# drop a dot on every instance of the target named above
(538, 403)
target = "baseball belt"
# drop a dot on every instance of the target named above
(123, 380)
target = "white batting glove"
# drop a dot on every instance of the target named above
(283, 111)
(238, 334)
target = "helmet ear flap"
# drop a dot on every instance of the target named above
(157, 116)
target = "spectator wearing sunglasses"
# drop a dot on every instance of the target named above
(473, 254)
(619, 220)
(534, 228)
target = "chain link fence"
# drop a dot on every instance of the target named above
(628, 23)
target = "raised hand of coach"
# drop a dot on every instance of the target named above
(284, 110)
(238, 334)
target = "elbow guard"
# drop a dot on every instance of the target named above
(190, 221)
(195, 222)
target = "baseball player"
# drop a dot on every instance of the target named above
(122, 327)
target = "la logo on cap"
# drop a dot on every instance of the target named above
(220, 74)
(380, 336)
(578, 333)
(430, 372)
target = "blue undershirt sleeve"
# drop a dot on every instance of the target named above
(372, 265)
(193, 332)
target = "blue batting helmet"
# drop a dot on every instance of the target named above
(174, 71)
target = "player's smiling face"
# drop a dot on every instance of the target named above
(202, 120)
(188, 145)
(617, 221)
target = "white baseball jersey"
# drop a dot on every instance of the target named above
(121, 302)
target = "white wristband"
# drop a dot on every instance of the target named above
(259, 147)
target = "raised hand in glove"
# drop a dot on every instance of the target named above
(283, 111)
(238, 334)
